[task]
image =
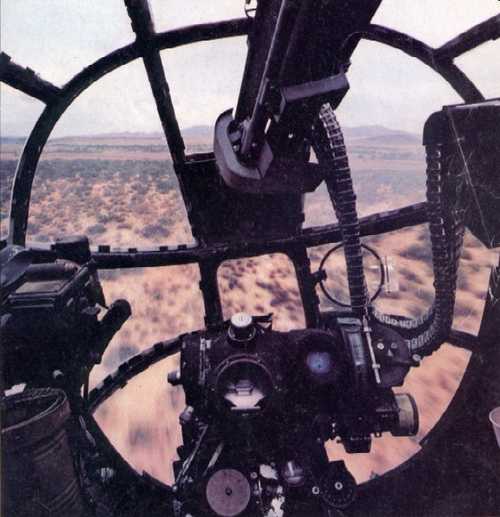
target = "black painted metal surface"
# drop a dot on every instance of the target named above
(26, 80)
(38, 474)
(462, 442)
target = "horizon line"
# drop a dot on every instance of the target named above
(200, 126)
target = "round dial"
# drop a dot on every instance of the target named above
(338, 486)
(228, 492)
(321, 357)
(319, 362)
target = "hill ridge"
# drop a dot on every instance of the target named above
(206, 131)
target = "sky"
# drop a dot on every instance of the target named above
(57, 38)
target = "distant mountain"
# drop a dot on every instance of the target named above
(373, 134)
(380, 133)
(367, 131)
(190, 133)
(125, 135)
(392, 139)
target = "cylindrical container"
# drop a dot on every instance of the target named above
(38, 473)
(495, 422)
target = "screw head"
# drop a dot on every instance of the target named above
(380, 345)
(315, 490)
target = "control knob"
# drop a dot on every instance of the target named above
(242, 328)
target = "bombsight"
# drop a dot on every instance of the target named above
(280, 396)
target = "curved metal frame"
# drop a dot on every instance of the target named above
(323, 278)
(479, 373)
(187, 35)
(381, 495)
(55, 108)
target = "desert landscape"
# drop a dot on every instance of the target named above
(120, 189)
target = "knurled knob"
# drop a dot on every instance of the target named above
(241, 328)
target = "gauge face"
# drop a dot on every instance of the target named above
(319, 362)
(321, 358)
(228, 492)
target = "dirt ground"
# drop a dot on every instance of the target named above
(142, 419)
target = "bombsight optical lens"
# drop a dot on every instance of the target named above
(243, 385)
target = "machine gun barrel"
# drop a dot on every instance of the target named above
(328, 29)
(255, 130)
